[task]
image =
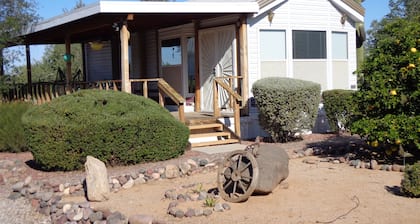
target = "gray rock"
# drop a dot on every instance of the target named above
(17, 187)
(46, 196)
(96, 216)
(122, 180)
(140, 180)
(134, 175)
(202, 195)
(185, 168)
(190, 212)
(67, 208)
(218, 207)
(203, 162)
(14, 195)
(309, 152)
(171, 171)
(192, 163)
(273, 163)
(374, 164)
(128, 184)
(116, 218)
(199, 212)
(226, 206)
(179, 213)
(96, 180)
(140, 219)
(87, 212)
(396, 168)
(207, 212)
(78, 215)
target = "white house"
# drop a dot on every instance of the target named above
(193, 44)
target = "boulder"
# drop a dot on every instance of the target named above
(171, 171)
(273, 164)
(140, 219)
(96, 180)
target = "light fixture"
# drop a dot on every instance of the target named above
(270, 16)
(343, 18)
(96, 45)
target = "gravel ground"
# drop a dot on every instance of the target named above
(19, 211)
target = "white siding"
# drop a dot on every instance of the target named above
(317, 15)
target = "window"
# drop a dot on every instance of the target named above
(171, 52)
(309, 44)
(339, 45)
(272, 45)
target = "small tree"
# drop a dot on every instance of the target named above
(389, 87)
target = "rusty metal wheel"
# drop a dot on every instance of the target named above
(237, 176)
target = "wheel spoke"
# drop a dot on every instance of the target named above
(246, 178)
(241, 185)
(234, 186)
(246, 167)
(239, 162)
(227, 184)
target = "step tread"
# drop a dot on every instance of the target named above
(220, 142)
(205, 126)
(211, 134)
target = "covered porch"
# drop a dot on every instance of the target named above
(189, 55)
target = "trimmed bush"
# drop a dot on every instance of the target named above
(410, 185)
(339, 107)
(287, 106)
(11, 129)
(115, 127)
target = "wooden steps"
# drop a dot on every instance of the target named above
(207, 132)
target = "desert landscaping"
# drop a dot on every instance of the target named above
(319, 189)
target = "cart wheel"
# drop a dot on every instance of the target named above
(237, 176)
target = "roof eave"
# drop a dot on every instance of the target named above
(356, 15)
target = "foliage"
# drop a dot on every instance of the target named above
(15, 17)
(210, 201)
(115, 127)
(389, 87)
(11, 129)
(410, 185)
(339, 107)
(287, 106)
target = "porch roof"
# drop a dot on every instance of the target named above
(97, 19)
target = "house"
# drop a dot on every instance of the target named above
(211, 52)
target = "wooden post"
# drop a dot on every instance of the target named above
(68, 64)
(197, 104)
(145, 91)
(243, 49)
(125, 75)
(28, 69)
(237, 119)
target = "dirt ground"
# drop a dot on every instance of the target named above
(313, 193)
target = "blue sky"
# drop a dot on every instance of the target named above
(375, 10)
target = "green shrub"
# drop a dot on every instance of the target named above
(410, 185)
(115, 127)
(339, 107)
(287, 106)
(11, 129)
(389, 92)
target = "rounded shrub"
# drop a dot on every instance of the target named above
(115, 127)
(410, 185)
(339, 107)
(287, 106)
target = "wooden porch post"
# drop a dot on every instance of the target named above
(243, 51)
(197, 105)
(68, 58)
(29, 69)
(125, 75)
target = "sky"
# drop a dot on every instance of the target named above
(375, 10)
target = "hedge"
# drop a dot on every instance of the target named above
(339, 107)
(287, 106)
(115, 127)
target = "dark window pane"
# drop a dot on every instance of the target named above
(309, 44)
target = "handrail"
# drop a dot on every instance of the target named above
(174, 95)
(235, 99)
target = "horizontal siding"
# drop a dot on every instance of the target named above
(99, 62)
(319, 15)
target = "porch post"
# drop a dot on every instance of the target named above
(125, 76)
(197, 105)
(68, 58)
(243, 52)
(28, 69)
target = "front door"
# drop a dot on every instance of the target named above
(217, 59)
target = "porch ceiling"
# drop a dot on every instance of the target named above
(96, 20)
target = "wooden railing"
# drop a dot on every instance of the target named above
(43, 92)
(235, 99)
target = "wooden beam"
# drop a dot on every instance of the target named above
(68, 63)
(243, 50)
(197, 103)
(125, 75)
(28, 68)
